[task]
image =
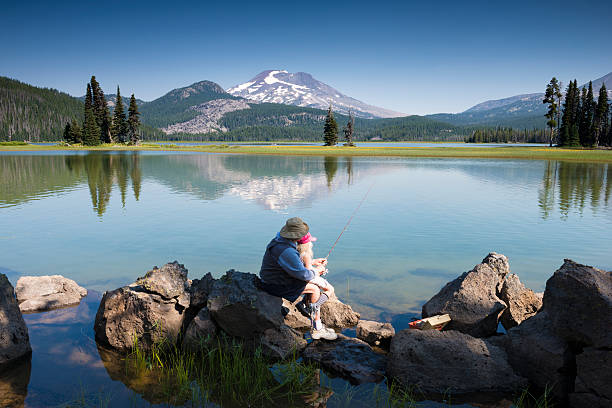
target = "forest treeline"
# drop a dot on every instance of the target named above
(582, 121)
(507, 135)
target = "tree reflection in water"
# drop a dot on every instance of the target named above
(574, 185)
(103, 170)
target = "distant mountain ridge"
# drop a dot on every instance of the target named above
(518, 111)
(301, 89)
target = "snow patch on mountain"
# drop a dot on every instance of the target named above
(301, 89)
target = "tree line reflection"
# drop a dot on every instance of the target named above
(573, 186)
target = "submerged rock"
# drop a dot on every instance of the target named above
(352, 359)
(471, 300)
(14, 380)
(149, 316)
(375, 333)
(522, 302)
(14, 338)
(440, 362)
(578, 300)
(40, 293)
(241, 309)
(536, 353)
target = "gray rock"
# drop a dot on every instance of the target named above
(168, 281)
(452, 362)
(578, 300)
(339, 315)
(282, 342)
(522, 302)
(40, 293)
(14, 338)
(471, 300)
(199, 290)
(143, 313)
(242, 310)
(593, 379)
(199, 331)
(294, 318)
(350, 358)
(536, 353)
(375, 333)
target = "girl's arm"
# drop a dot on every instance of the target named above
(307, 261)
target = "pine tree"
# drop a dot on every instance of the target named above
(348, 130)
(100, 110)
(133, 122)
(119, 127)
(67, 134)
(91, 131)
(551, 96)
(330, 132)
(75, 132)
(569, 127)
(600, 119)
(587, 108)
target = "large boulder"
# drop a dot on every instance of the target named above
(339, 315)
(593, 386)
(471, 300)
(200, 330)
(536, 353)
(293, 317)
(150, 315)
(375, 333)
(40, 293)
(522, 302)
(439, 362)
(350, 358)
(199, 290)
(578, 299)
(14, 338)
(241, 309)
(282, 342)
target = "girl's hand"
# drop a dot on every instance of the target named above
(320, 261)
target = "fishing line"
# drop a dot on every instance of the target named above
(349, 220)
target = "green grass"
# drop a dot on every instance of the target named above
(460, 151)
(14, 143)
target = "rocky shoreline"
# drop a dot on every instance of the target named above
(560, 341)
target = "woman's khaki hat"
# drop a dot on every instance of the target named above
(294, 228)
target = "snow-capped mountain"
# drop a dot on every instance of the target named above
(301, 89)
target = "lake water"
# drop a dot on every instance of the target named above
(104, 219)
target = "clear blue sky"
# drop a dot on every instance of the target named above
(413, 57)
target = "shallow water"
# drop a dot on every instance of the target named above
(104, 218)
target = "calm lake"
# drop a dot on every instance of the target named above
(104, 219)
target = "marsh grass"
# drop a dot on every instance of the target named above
(14, 143)
(225, 371)
(528, 400)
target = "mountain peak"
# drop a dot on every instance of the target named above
(302, 89)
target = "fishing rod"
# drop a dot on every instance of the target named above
(349, 220)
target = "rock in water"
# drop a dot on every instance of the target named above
(593, 387)
(148, 315)
(522, 302)
(168, 281)
(14, 338)
(441, 362)
(282, 342)
(350, 358)
(578, 299)
(375, 333)
(40, 293)
(536, 353)
(200, 330)
(14, 380)
(336, 314)
(471, 300)
(242, 310)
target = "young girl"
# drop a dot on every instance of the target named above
(304, 247)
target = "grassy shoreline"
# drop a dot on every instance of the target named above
(503, 152)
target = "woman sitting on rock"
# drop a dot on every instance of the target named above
(283, 274)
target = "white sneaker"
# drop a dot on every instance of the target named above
(325, 333)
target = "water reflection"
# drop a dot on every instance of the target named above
(572, 186)
(14, 382)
